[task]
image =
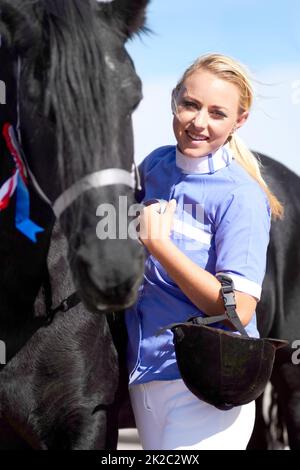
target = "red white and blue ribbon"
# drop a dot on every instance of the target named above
(18, 183)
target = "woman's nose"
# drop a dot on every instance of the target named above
(200, 118)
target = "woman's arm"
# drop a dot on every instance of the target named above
(201, 287)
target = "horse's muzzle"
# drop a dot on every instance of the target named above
(109, 273)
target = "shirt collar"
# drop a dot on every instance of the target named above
(208, 164)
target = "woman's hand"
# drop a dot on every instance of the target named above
(199, 285)
(155, 228)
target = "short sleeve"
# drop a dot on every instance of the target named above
(242, 236)
(140, 193)
(142, 173)
(147, 165)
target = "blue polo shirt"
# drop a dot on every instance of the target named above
(222, 223)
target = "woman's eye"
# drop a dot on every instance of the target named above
(219, 114)
(189, 104)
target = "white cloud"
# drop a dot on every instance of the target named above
(273, 127)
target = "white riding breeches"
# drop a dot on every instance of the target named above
(168, 416)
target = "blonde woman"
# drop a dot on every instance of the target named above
(217, 221)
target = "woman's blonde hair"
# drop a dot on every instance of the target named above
(232, 71)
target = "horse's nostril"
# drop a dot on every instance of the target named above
(114, 283)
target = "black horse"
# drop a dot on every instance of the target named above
(70, 90)
(66, 148)
(278, 312)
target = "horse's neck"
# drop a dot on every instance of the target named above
(22, 270)
(59, 277)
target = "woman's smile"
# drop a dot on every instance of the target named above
(194, 137)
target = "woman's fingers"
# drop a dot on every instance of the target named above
(171, 207)
(156, 221)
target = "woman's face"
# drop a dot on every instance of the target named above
(207, 111)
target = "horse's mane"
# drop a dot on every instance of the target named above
(67, 40)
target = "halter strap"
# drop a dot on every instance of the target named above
(110, 176)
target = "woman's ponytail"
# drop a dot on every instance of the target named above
(253, 166)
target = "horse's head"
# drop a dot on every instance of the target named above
(77, 89)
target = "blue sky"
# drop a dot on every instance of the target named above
(264, 35)
(254, 31)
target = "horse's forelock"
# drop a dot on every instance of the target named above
(68, 62)
(19, 26)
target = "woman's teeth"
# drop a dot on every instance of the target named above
(197, 137)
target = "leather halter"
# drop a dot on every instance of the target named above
(110, 176)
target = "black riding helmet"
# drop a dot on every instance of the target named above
(223, 368)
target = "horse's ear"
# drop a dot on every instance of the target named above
(131, 13)
(17, 28)
(7, 23)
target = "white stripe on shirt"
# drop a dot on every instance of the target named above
(192, 232)
(244, 285)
